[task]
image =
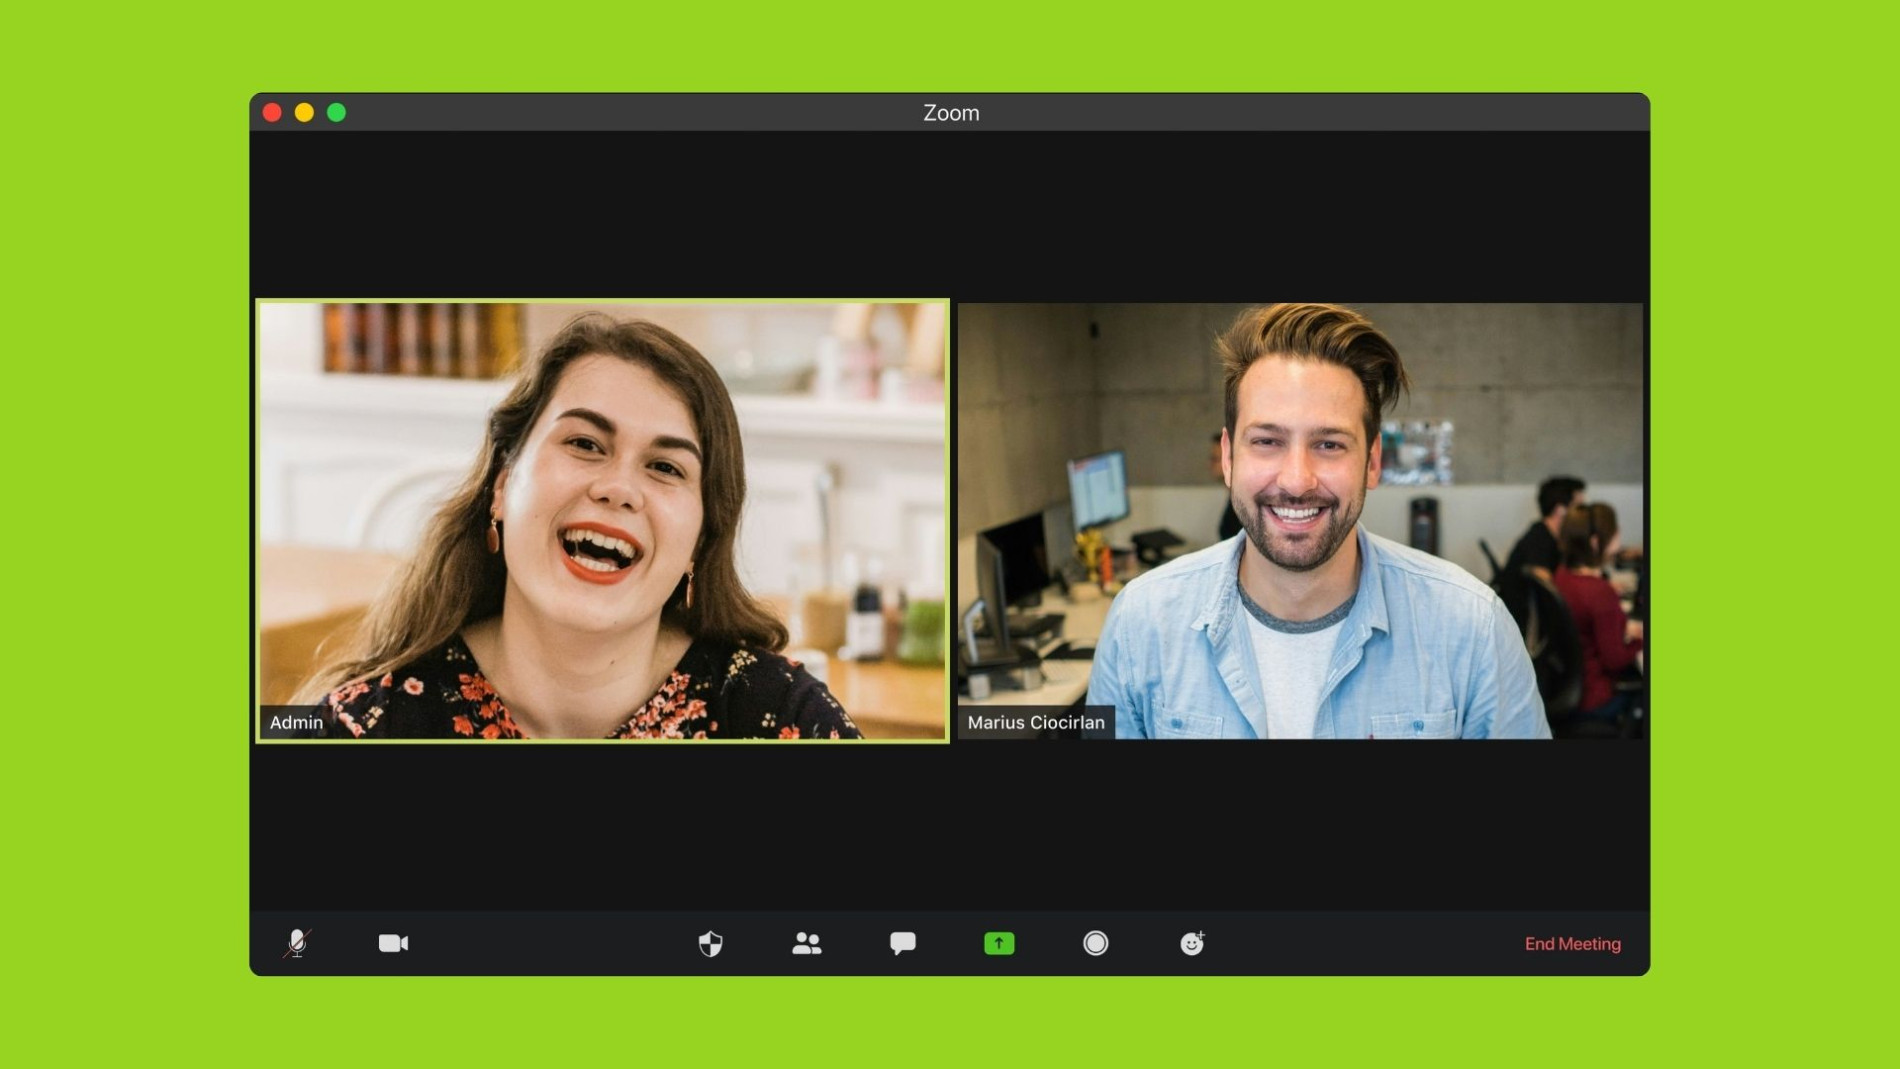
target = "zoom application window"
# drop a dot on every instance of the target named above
(949, 535)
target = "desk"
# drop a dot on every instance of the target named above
(888, 700)
(1064, 682)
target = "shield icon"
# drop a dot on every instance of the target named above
(710, 943)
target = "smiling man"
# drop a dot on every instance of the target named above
(1306, 625)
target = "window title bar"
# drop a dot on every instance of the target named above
(946, 112)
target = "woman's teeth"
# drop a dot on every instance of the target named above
(598, 552)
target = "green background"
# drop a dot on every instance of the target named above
(125, 764)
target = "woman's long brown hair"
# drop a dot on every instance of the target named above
(453, 581)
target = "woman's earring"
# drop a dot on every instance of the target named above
(689, 588)
(494, 536)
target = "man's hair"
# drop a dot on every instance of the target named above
(1326, 332)
(1586, 531)
(1556, 492)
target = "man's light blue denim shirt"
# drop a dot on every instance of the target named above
(1427, 652)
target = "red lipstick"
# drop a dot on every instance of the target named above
(581, 571)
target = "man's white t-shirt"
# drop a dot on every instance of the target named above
(1292, 657)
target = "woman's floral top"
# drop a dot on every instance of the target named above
(715, 692)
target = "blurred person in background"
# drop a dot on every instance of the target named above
(1538, 549)
(1610, 639)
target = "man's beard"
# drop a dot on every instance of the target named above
(1313, 548)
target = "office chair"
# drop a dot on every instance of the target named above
(1555, 648)
(1513, 589)
(1491, 559)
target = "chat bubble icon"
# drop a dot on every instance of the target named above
(902, 941)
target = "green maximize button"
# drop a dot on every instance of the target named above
(1000, 943)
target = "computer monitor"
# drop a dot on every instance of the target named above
(1098, 489)
(1025, 556)
(990, 570)
(1058, 539)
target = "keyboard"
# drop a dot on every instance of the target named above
(1027, 626)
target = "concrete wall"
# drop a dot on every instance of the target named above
(1025, 403)
(1533, 390)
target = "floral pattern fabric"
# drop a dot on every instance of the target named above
(715, 692)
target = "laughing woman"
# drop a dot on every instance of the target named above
(580, 583)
